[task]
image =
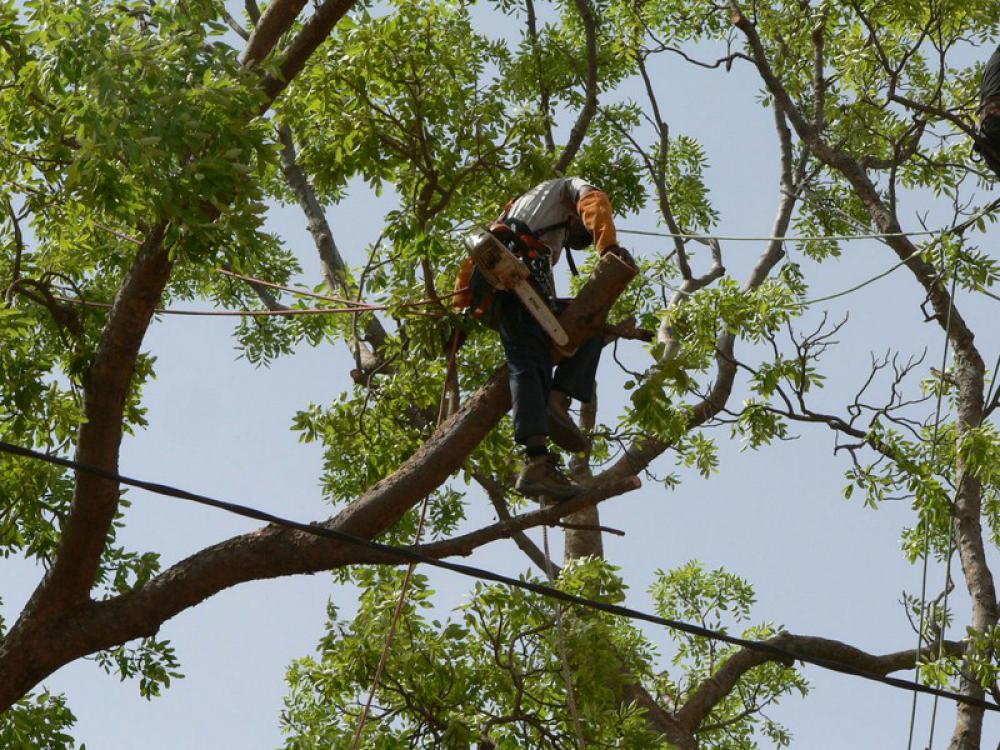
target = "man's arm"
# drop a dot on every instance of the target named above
(594, 208)
(596, 214)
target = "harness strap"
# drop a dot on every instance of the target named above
(572, 263)
(526, 231)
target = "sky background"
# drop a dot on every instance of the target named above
(821, 565)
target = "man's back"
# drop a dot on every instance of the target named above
(551, 203)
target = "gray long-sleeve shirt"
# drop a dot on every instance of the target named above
(548, 203)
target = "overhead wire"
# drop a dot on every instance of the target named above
(405, 553)
(767, 238)
(404, 308)
(826, 298)
(957, 229)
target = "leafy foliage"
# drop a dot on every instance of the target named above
(493, 674)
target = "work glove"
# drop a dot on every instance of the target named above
(622, 254)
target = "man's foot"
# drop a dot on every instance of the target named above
(543, 478)
(562, 430)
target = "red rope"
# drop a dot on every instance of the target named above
(390, 636)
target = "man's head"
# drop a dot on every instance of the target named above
(577, 235)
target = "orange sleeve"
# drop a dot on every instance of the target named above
(595, 212)
(463, 285)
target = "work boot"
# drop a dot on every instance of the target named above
(562, 429)
(542, 477)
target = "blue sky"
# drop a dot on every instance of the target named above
(821, 565)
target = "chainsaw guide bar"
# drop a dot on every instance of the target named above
(503, 270)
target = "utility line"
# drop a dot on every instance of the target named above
(957, 229)
(828, 297)
(470, 571)
(764, 238)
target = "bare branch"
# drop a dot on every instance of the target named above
(579, 130)
(708, 695)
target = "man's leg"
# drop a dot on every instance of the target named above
(529, 361)
(575, 375)
(574, 378)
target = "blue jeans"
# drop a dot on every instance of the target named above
(529, 360)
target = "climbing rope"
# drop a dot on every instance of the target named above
(563, 655)
(944, 605)
(404, 308)
(404, 589)
(927, 536)
(340, 300)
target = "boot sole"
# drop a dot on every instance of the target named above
(531, 489)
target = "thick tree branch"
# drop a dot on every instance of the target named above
(25, 652)
(656, 717)
(969, 367)
(713, 690)
(313, 33)
(883, 217)
(277, 18)
(105, 389)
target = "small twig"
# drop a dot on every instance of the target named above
(588, 527)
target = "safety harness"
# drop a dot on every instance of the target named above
(525, 243)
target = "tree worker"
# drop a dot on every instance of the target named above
(563, 213)
(989, 114)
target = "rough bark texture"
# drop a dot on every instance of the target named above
(710, 692)
(314, 32)
(584, 542)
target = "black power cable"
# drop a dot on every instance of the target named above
(482, 574)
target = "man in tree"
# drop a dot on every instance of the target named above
(570, 213)
(989, 113)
